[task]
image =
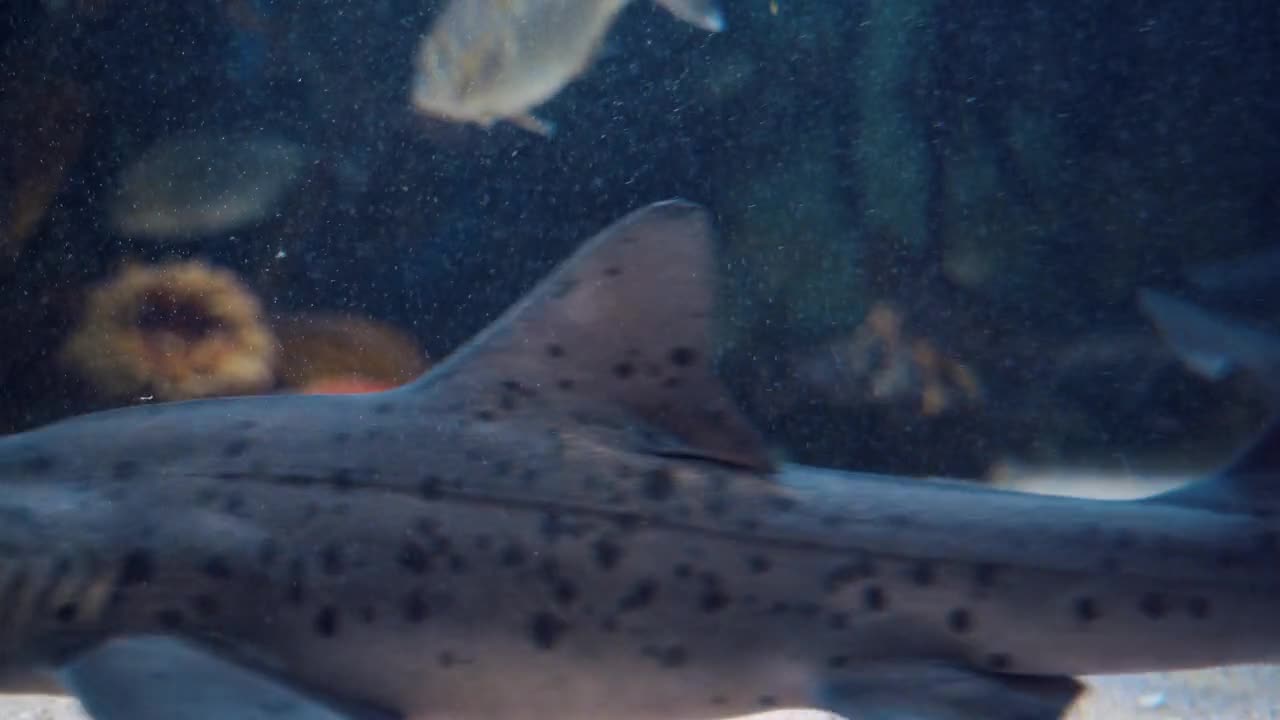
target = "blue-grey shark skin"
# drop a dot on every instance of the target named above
(569, 519)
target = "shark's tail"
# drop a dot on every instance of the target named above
(1249, 483)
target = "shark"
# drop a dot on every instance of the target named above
(569, 518)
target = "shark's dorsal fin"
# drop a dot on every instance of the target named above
(619, 336)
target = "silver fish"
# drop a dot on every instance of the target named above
(199, 184)
(569, 519)
(490, 60)
(1211, 345)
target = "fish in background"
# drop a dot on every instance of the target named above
(1210, 345)
(489, 60)
(199, 184)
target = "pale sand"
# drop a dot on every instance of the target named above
(1240, 693)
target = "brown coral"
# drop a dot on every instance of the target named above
(320, 349)
(176, 330)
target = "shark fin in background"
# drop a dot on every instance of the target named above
(700, 13)
(1209, 345)
(157, 677)
(617, 338)
(934, 691)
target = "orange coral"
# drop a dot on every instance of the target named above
(324, 348)
(176, 330)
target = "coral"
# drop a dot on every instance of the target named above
(176, 330)
(321, 349)
(344, 385)
(881, 362)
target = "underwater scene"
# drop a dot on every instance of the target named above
(596, 359)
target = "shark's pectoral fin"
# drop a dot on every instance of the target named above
(946, 692)
(156, 677)
(618, 339)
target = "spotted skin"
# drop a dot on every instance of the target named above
(569, 519)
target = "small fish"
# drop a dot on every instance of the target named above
(490, 60)
(569, 519)
(200, 184)
(1212, 346)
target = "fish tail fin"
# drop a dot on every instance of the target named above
(1250, 482)
(1208, 344)
(702, 13)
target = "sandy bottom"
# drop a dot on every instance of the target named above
(1238, 693)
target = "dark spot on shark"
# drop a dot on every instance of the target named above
(1110, 564)
(368, 614)
(546, 629)
(512, 556)
(342, 480)
(838, 621)
(1152, 605)
(564, 592)
(236, 448)
(216, 567)
(384, 408)
(835, 662)
(1000, 662)
(430, 487)
(341, 438)
(414, 558)
(66, 613)
(446, 659)
(555, 351)
(607, 553)
(713, 598)
(984, 574)
(171, 619)
(136, 568)
(959, 621)
(38, 464)
(331, 561)
(873, 597)
(716, 506)
(485, 415)
(683, 356)
(233, 504)
(673, 656)
(415, 608)
(502, 468)
(719, 700)
(640, 596)
(326, 621)
(507, 403)
(922, 573)
(659, 485)
(613, 271)
(458, 564)
(759, 564)
(205, 604)
(125, 470)
(624, 370)
(1198, 606)
(565, 384)
(847, 573)
(1085, 609)
(483, 542)
(767, 701)
(627, 521)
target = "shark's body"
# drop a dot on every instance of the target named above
(569, 520)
